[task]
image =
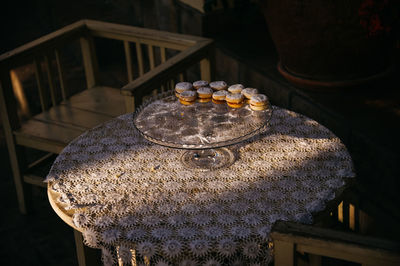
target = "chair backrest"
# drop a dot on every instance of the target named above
(289, 238)
(161, 56)
(61, 110)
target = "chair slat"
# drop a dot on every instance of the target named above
(35, 180)
(139, 58)
(340, 212)
(182, 76)
(64, 88)
(169, 69)
(128, 59)
(150, 48)
(20, 94)
(50, 78)
(43, 92)
(45, 136)
(162, 53)
(205, 69)
(70, 117)
(163, 59)
(98, 100)
(352, 217)
(89, 61)
(40, 161)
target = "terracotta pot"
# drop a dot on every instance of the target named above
(321, 44)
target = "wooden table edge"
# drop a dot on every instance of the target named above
(59, 210)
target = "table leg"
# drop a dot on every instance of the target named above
(86, 256)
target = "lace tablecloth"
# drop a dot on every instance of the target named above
(135, 195)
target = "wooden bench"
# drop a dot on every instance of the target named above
(65, 115)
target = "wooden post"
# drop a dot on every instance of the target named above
(64, 89)
(89, 61)
(283, 253)
(128, 59)
(10, 122)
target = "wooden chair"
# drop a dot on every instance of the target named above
(291, 240)
(352, 217)
(65, 114)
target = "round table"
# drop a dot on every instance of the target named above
(136, 201)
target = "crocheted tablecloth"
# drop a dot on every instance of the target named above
(130, 196)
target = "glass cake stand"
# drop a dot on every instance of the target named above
(203, 129)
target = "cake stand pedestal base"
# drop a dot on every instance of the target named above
(208, 159)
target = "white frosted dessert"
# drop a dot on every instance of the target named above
(218, 85)
(248, 92)
(258, 102)
(236, 88)
(200, 83)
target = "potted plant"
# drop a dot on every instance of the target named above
(332, 43)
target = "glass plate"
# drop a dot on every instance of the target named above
(165, 121)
